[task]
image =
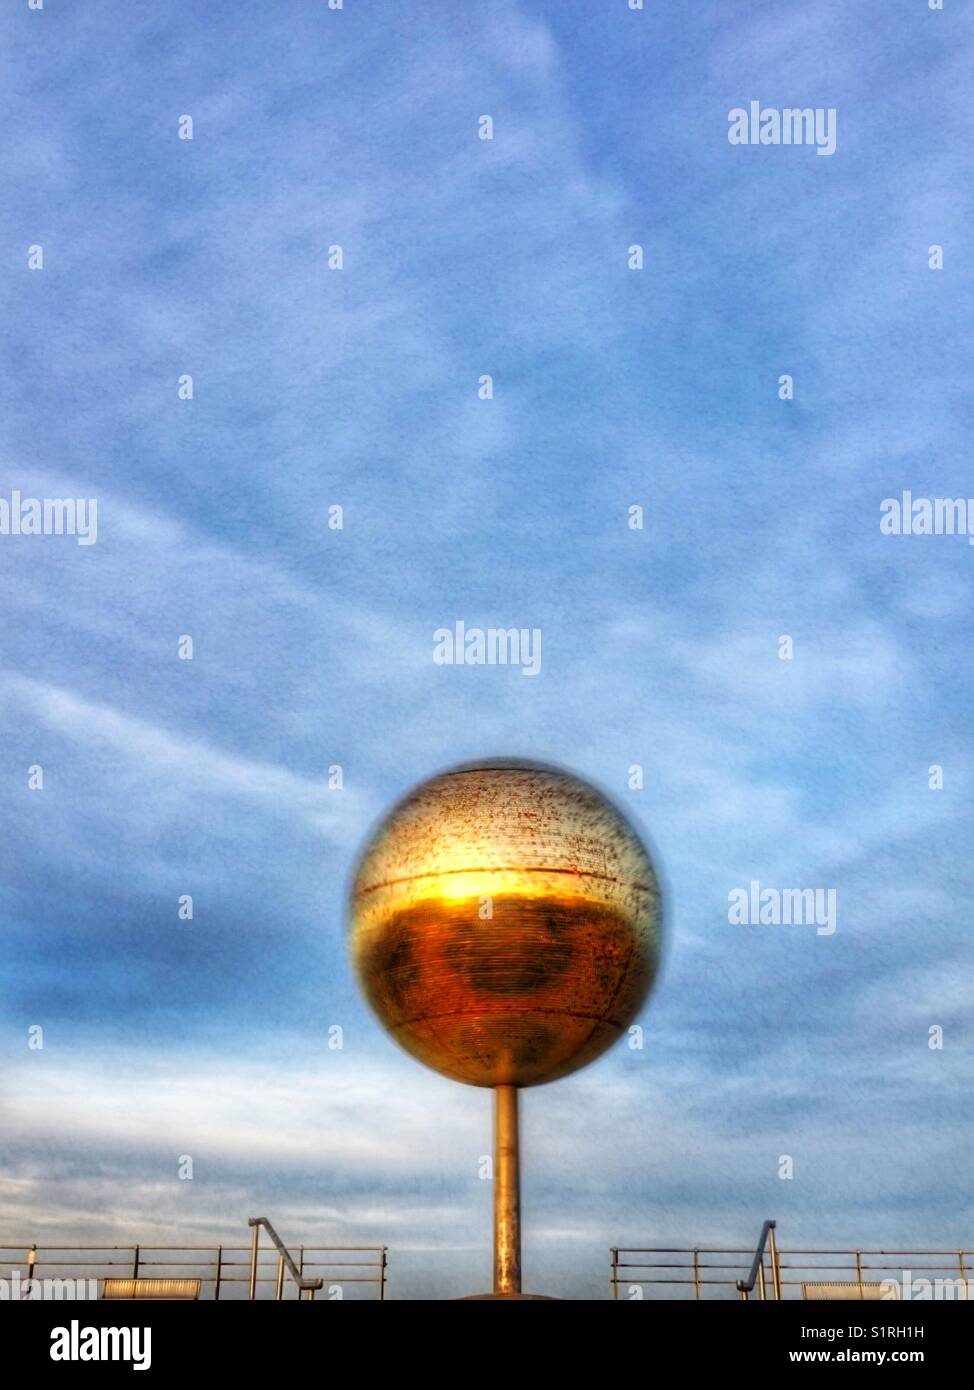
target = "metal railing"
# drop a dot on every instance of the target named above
(225, 1271)
(702, 1272)
(312, 1284)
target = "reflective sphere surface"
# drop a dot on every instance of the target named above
(506, 923)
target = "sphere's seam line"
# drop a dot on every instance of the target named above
(501, 869)
(476, 1014)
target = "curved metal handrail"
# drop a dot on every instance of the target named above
(310, 1286)
(746, 1286)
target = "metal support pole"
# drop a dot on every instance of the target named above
(614, 1261)
(507, 1193)
(219, 1272)
(280, 1278)
(382, 1275)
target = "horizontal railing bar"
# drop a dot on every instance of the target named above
(707, 1265)
(336, 1264)
(731, 1271)
(81, 1264)
(196, 1264)
(206, 1278)
(724, 1250)
(264, 1255)
(871, 1265)
(690, 1283)
(717, 1283)
(116, 1264)
(853, 1253)
(680, 1250)
(345, 1279)
(272, 1279)
(703, 1264)
(27, 1246)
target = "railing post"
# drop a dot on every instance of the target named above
(614, 1271)
(280, 1278)
(960, 1261)
(775, 1267)
(762, 1293)
(382, 1276)
(254, 1239)
(696, 1274)
(135, 1264)
(219, 1271)
(31, 1261)
(859, 1270)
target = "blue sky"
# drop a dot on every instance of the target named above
(313, 647)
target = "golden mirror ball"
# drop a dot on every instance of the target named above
(505, 923)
